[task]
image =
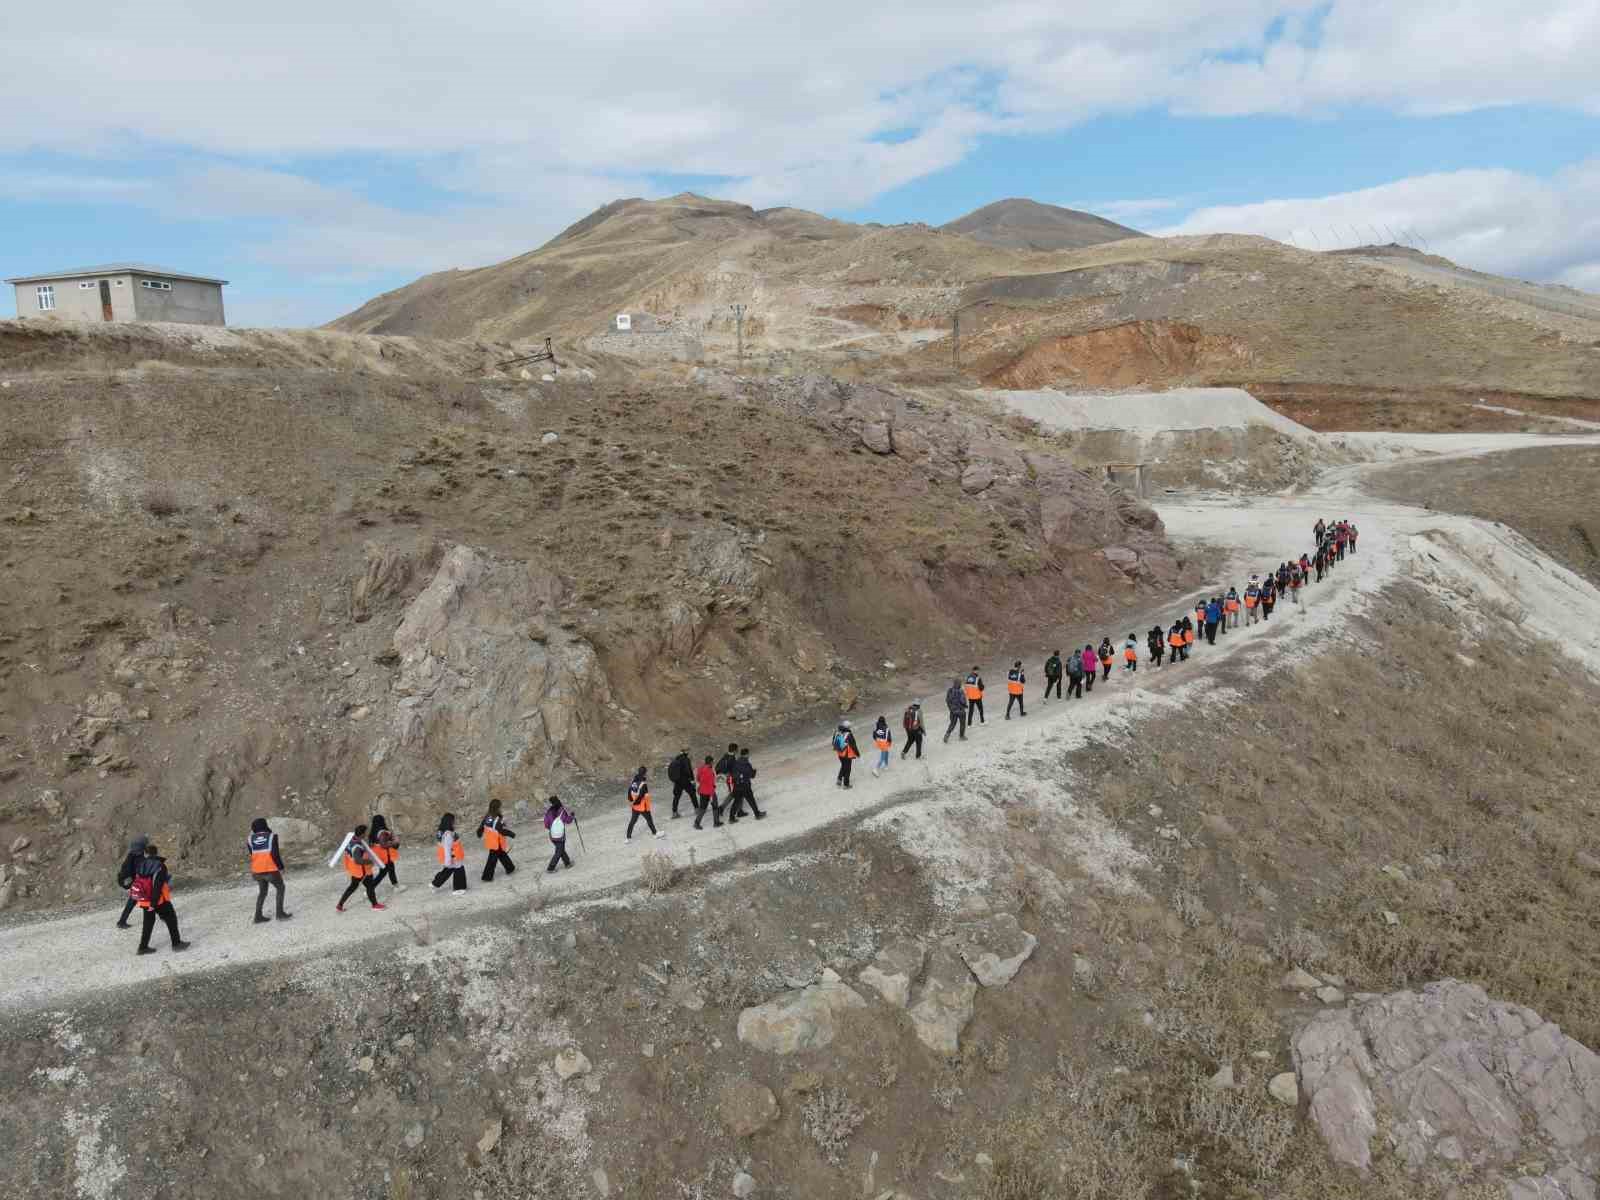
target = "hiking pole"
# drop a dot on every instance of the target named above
(579, 828)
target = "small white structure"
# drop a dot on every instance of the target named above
(624, 323)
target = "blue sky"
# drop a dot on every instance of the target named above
(315, 157)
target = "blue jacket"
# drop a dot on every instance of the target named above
(1213, 613)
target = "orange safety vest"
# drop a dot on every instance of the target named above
(385, 854)
(1175, 638)
(162, 898)
(356, 870)
(1230, 605)
(1130, 654)
(639, 796)
(1199, 614)
(1014, 683)
(493, 839)
(1249, 600)
(882, 743)
(1188, 637)
(259, 847)
(974, 692)
(457, 854)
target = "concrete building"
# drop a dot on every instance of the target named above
(121, 292)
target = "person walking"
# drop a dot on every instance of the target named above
(452, 856)
(1052, 675)
(496, 837)
(1252, 602)
(1230, 608)
(1091, 667)
(1156, 641)
(1351, 534)
(1213, 619)
(1190, 635)
(844, 745)
(152, 891)
(556, 820)
(361, 866)
(1200, 618)
(680, 771)
(884, 741)
(1015, 682)
(956, 702)
(1107, 657)
(915, 729)
(639, 802)
(1296, 581)
(1269, 597)
(705, 782)
(1130, 654)
(266, 865)
(1318, 530)
(744, 792)
(386, 849)
(1075, 673)
(974, 690)
(725, 766)
(1175, 642)
(125, 876)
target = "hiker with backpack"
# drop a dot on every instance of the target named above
(680, 773)
(125, 874)
(452, 857)
(956, 701)
(151, 890)
(1157, 644)
(1091, 666)
(1052, 675)
(266, 865)
(385, 848)
(884, 741)
(557, 818)
(912, 724)
(844, 745)
(1015, 682)
(1075, 674)
(974, 691)
(705, 782)
(1130, 655)
(744, 792)
(639, 803)
(1107, 657)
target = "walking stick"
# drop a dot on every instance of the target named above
(579, 828)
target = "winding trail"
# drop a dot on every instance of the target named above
(51, 960)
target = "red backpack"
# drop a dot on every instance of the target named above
(143, 890)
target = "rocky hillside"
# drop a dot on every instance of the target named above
(1029, 225)
(307, 592)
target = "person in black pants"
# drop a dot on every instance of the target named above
(362, 867)
(1157, 643)
(496, 842)
(681, 772)
(744, 773)
(556, 821)
(452, 857)
(266, 864)
(155, 882)
(385, 848)
(125, 874)
(1052, 675)
(956, 701)
(915, 730)
(1075, 670)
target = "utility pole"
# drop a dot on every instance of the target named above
(955, 338)
(738, 317)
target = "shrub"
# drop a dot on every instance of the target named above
(831, 1118)
(657, 871)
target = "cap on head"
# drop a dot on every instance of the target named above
(259, 825)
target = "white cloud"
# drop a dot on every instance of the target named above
(1492, 220)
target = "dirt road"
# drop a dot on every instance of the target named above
(49, 961)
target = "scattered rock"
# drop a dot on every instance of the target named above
(1587, 861)
(1391, 919)
(895, 969)
(20, 843)
(491, 1137)
(1298, 980)
(1455, 1076)
(744, 1185)
(50, 803)
(944, 1001)
(875, 436)
(550, 438)
(746, 1107)
(744, 708)
(571, 1063)
(1222, 1080)
(365, 1064)
(414, 1136)
(1084, 973)
(803, 1019)
(1285, 1089)
(602, 1182)
(995, 948)
(1330, 995)
(977, 477)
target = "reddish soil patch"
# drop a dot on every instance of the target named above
(1133, 354)
(1330, 408)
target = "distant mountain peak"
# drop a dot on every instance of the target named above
(1022, 224)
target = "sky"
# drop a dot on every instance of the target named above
(315, 155)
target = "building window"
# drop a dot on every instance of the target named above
(155, 285)
(85, 286)
(47, 298)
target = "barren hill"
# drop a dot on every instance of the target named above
(1029, 225)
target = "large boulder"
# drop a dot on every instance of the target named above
(995, 948)
(491, 693)
(1458, 1077)
(804, 1019)
(875, 436)
(894, 969)
(943, 1006)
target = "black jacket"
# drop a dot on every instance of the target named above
(160, 877)
(680, 770)
(743, 772)
(1052, 667)
(726, 764)
(126, 871)
(956, 700)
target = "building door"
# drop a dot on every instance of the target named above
(105, 299)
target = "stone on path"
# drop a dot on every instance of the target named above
(995, 948)
(944, 1001)
(895, 969)
(803, 1019)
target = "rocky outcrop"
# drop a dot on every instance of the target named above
(804, 1019)
(995, 948)
(385, 573)
(895, 968)
(1457, 1077)
(943, 1007)
(485, 667)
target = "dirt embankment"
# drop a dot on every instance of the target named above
(1134, 354)
(1548, 495)
(1334, 408)
(314, 594)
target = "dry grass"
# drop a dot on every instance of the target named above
(657, 872)
(831, 1119)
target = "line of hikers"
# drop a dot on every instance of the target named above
(370, 852)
